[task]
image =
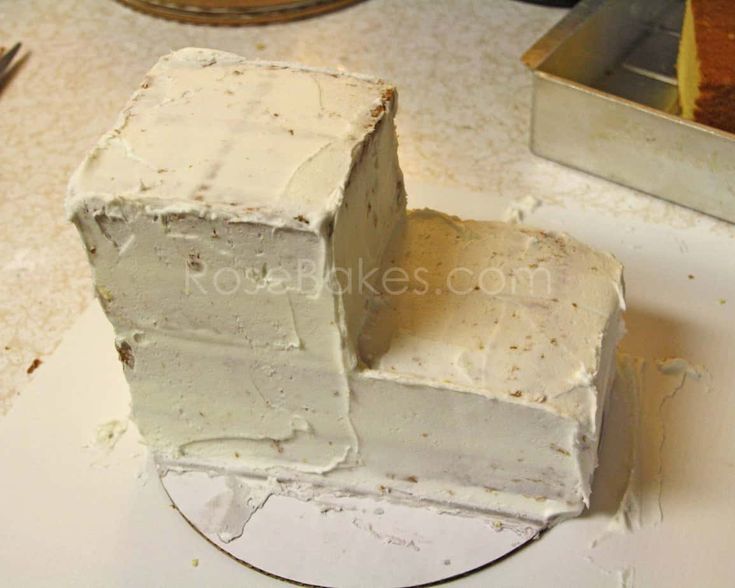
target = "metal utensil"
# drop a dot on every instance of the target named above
(7, 57)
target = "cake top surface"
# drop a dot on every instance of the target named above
(211, 130)
(495, 309)
(714, 26)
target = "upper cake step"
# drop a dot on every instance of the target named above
(254, 140)
(224, 179)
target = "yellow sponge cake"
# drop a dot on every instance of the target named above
(706, 63)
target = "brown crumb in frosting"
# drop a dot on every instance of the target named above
(34, 365)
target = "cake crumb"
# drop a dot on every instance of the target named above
(104, 294)
(125, 353)
(412, 479)
(260, 46)
(195, 562)
(109, 433)
(377, 110)
(34, 365)
(194, 262)
(559, 449)
(723, 301)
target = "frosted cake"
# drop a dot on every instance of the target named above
(246, 224)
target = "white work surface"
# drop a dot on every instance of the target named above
(75, 514)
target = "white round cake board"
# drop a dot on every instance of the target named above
(339, 541)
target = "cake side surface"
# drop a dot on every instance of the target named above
(687, 66)
(372, 211)
(706, 63)
(223, 406)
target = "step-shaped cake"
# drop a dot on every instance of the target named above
(278, 313)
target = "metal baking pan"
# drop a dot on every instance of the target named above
(605, 101)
